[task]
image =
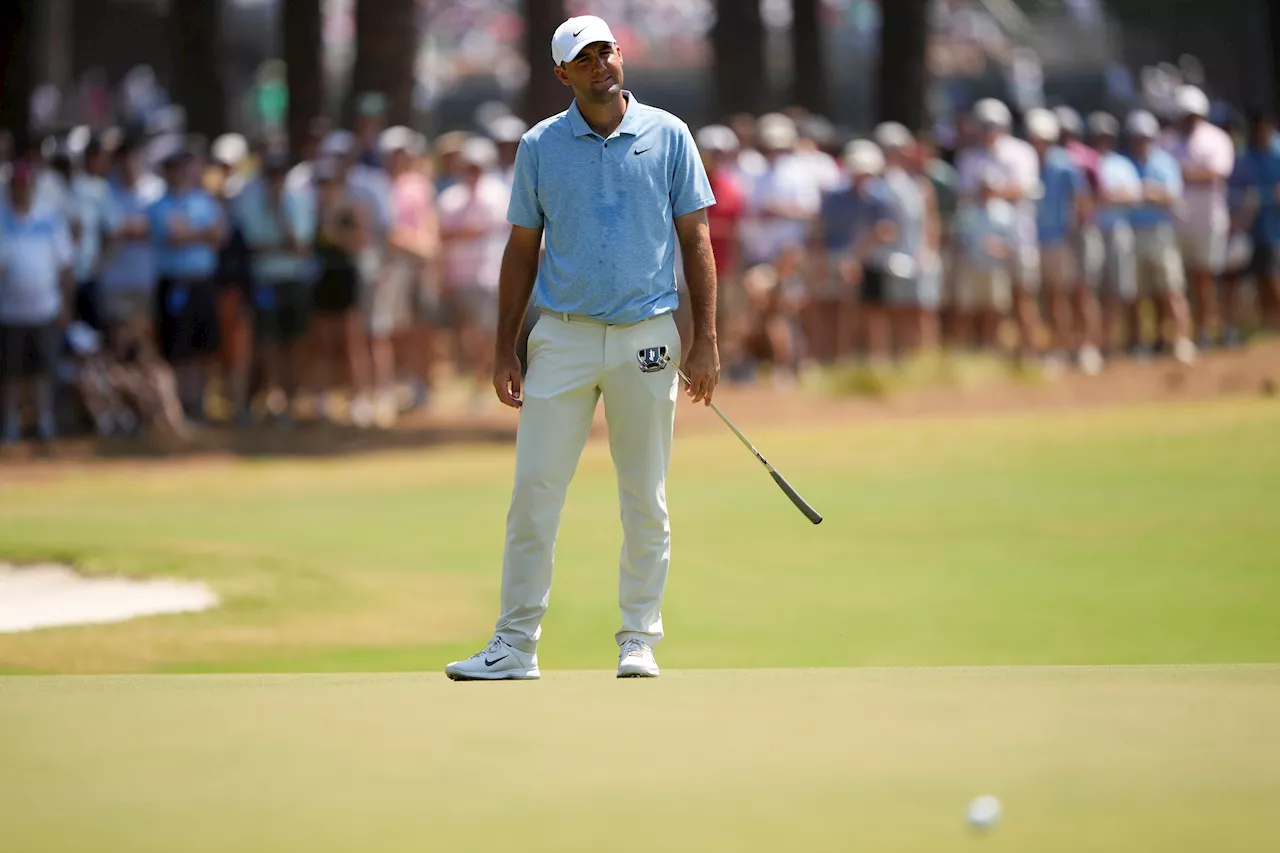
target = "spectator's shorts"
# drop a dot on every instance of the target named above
(281, 312)
(1026, 268)
(874, 287)
(88, 307)
(1059, 264)
(29, 350)
(1266, 259)
(128, 306)
(475, 304)
(1091, 255)
(390, 296)
(831, 287)
(1119, 269)
(1204, 251)
(979, 289)
(1160, 271)
(188, 312)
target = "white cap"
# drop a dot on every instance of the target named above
(992, 112)
(863, 157)
(775, 130)
(1191, 101)
(575, 34)
(1042, 124)
(1142, 125)
(1069, 121)
(1104, 124)
(892, 136)
(338, 143)
(230, 149)
(717, 137)
(401, 138)
(507, 128)
(479, 151)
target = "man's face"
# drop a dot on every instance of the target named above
(1141, 147)
(991, 134)
(1188, 124)
(20, 188)
(595, 74)
(1104, 142)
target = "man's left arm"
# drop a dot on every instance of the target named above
(691, 195)
(703, 364)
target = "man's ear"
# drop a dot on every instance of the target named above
(559, 69)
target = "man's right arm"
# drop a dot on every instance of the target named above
(515, 287)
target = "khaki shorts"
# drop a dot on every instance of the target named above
(1160, 270)
(127, 306)
(388, 297)
(1059, 264)
(475, 305)
(979, 289)
(1119, 272)
(1204, 250)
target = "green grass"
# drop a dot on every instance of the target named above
(1137, 535)
(1179, 760)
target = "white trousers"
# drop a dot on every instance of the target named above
(572, 362)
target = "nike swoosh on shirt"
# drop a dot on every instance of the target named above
(642, 150)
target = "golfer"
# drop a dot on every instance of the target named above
(612, 185)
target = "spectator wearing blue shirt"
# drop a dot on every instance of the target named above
(36, 292)
(187, 229)
(1060, 211)
(1119, 192)
(278, 230)
(1160, 273)
(1255, 203)
(128, 281)
(866, 263)
(987, 236)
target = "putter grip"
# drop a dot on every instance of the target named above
(809, 512)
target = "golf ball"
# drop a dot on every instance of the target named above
(984, 812)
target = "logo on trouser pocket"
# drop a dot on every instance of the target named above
(652, 359)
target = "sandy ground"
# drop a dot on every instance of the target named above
(50, 595)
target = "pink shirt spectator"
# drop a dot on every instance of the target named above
(1086, 160)
(412, 199)
(1204, 208)
(475, 229)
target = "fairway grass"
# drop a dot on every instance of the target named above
(1134, 535)
(1118, 759)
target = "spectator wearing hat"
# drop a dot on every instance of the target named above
(371, 120)
(863, 263)
(1017, 162)
(1255, 195)
(1207, 157)
(90, 195)
(913, 310)
(344, 230)
(1060, 213)
(234, 276)
(987, 240)
(719, 147)
(474, 231)
(278, 232)
(1119, 193)
(128, 281)
(1160, 274)
(188, 228)
(413, 255)
(36, 292)
(506, 131)
(783, 200)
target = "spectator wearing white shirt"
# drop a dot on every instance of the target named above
(474, 230)
(1019, 167)
(782, 200)
(1119, 193)
(36, 258)
(1207, 156)
(91, 197)
(908, 305)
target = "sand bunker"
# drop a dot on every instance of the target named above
(50, 595)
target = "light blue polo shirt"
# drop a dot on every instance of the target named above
(1063, 186)
(1161, 167)
(272, 264)
(34, 250)
(193, 261)
(607, 207)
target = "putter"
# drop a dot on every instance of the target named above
(801, 504)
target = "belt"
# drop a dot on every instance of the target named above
(582, 318)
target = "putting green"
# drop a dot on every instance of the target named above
(1099, 759)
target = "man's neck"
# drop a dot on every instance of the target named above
(604, 118)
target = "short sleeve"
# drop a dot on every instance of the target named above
(524, 209)
(157, 220)
(1173, 178)
(63, 249)
(690, 186)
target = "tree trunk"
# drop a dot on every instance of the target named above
(809, 57)
(196, 84)
(302, 36)
(386, 55)
(544, 94)
(740, 75)
(17, 23)
(903, 81)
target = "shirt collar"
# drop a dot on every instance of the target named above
(630, 125)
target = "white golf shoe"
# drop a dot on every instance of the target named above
(635, 660)
(496, 662)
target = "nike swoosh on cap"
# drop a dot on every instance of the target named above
(580, 32)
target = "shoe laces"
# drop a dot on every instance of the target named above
(495, 646)
(635, 648)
